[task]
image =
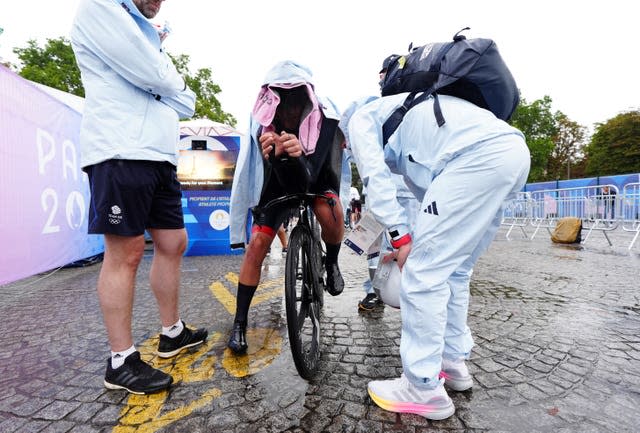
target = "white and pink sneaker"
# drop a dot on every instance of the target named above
(456, 374)
(400, 395)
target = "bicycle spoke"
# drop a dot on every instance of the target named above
(303, 309)
(304, 280)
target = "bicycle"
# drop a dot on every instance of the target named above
(304, 282)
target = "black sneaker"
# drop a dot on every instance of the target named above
(238, 339)
(335, 283)
(369, 302)
(169, 347)
(136, 376)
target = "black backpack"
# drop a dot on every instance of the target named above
(471, 69)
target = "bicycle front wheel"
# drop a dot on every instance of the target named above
(303, 307)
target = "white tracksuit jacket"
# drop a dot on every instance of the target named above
(462, 173)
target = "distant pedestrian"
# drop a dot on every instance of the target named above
(609, 199)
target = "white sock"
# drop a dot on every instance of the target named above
(117, 358)
(174, 330)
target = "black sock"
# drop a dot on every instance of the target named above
(332, 253)
(243, 301)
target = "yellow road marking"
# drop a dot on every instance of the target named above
(224, 296)
(228, 299)
(232, 277)
(265, 345)
(144, 413)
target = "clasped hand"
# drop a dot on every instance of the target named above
(283, 143)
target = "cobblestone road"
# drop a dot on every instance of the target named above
(557, 332)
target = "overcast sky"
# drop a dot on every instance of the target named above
(584, 55)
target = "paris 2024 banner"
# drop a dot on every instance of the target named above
(44, 195)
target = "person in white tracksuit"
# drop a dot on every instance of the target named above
(462, 173)
(408, 201)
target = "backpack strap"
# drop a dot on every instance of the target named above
(411, 101)
(393, 122)
(437, 111)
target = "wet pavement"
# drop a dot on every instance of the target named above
(557, 333)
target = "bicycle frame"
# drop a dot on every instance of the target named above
(304, 282)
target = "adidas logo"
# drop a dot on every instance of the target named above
(432, 209)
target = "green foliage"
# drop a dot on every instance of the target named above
(538, 125)
(54, 65)
(615, 146)
(207, 104)
(568, 143)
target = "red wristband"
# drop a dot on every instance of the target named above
(403, 240)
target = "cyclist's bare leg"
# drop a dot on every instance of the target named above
(330, 220)
(248, 280)
(282, 236)
(254, 255)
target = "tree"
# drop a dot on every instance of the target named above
(54, 65)
(615, 146)
(568, 143)
(538, 125)
(207, 104)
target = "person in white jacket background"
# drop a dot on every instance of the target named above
(128, 140)
(294, 145)
(462, 173)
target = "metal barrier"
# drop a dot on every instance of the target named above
(594, 205)
(517, 213)
(630, 210)
(600, 208)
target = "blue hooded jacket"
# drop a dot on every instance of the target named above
(134, 94)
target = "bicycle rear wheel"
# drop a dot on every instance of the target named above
(302, 306)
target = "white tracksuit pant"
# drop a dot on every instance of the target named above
(458, 218)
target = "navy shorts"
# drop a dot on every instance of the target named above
(130, 196)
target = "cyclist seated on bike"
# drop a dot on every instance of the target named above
(294, 145)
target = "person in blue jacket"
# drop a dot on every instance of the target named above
(128, 138)
(461, 173)
(294, 145)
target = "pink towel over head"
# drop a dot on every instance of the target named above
(265, 107)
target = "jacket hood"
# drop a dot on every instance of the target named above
(288, 72)
(351, 109)
(286, 75)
